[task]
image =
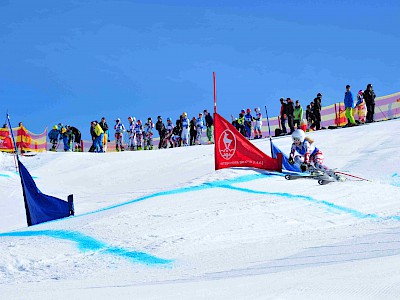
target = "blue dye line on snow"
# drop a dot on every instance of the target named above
(227, 184)
(5, 175)
(87, 243)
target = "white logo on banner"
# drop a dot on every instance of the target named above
(227, 144)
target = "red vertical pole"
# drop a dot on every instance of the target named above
(215, 93)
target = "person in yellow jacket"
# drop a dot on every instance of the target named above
(98, 133)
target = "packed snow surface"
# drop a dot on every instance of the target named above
(165, 225)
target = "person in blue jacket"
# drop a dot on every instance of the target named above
(349, 106)
(54, 135)
(248, 119)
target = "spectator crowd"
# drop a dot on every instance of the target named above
(188, 132)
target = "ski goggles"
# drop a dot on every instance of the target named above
(296, 140)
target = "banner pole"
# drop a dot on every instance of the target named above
(269, 130)
(215, 92)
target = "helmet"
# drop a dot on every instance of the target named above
(149, 119)
(63, 130)
(117, 120)
(168, 119)
(319, 95)
(257, 109)
(184, 114)
(139, 122)
(200, 113)
(55, 127)
(130, 118)
(360, 92)
(248, 110)
(243, 111)
(298, 134)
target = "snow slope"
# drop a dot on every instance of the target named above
(165, 225)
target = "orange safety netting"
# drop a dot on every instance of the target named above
(25, 140)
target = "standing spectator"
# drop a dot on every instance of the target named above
(53, 137)
(248, 120)
(298, 114)
(200, 124)
(98, 141)
(349, 105)
(119, 131)
(132, 133)
(139, 134)
(160, 127)
(240, 123)
(369, 98)
(185, 129)
(178, 129)
(310, 115)
(168, 134)
(65, 134)
(317, 111)
(176, 133)
(360, 106)
(283, 115)
(258, 124)
(93, 135)
(103, 124)
(75, 138)
(193, 131)
(210, 126)
(148, 134)
(290, 114)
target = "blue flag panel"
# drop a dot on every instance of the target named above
(40, 207)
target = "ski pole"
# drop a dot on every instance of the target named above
(347, 174)
(269, 130)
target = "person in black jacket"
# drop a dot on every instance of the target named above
(290, 114)
(283, 115)
(210, 126)
(75, 138)
(317, 111)
(193, 131)
(369, 98)
(160, 127)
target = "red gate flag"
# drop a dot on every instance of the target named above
(233, 150)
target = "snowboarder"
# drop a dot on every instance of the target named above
(308, 156)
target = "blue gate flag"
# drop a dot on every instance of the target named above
(38, 206)
(285, 160)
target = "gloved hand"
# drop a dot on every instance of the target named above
(291, 160)
(303, 167)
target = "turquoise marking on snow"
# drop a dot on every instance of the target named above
(86, 243)
(227, 183)
(5, 175)
(353, 212)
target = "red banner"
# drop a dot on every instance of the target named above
(233, 150)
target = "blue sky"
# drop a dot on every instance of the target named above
(75, 61)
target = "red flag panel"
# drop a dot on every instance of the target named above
(233, 150)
